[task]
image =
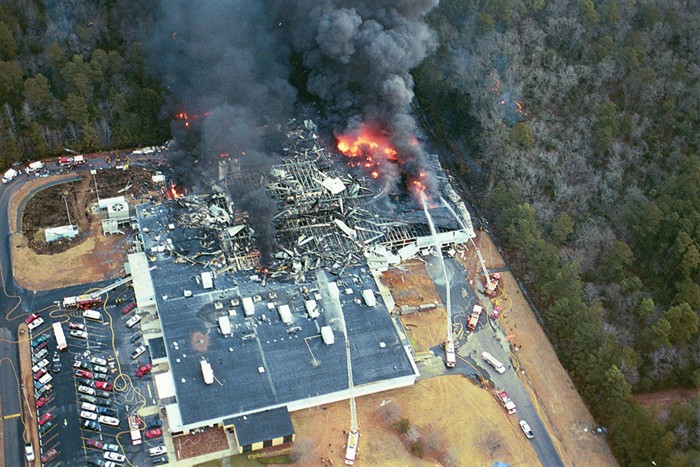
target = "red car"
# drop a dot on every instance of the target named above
(93, 443)
(144, 369)
(154, 433)
(128, 308)
(40, 402)
(31, 318)
(83, 374)
(104, 385)
(46, 417)
(78, 326)
(39, 373)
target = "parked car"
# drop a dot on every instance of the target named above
(91, 425)
(157, 451)
(144, 369)
(88, 406)
(104, 385)
(46, 427)
(56, 360)
(106, 411)
(138, 351)
(103, 394)
(160, 460)
(29, 452)
(108, 420)
(88, 415)
(100, 376)
(45, 418)
(41, 346)
(39, 340)
(78, 326)
(40, 402)
(86, 390)
(94, 443)
(154, 422)
(49, 455)
(90, 399)
(154, 433)
(110, 447)
(31, 317)
(83, 374)
(98, 361)
(131, 322)
(78, 334)
(39, 374)
(39, 365)
(136, 336)
(114, 456)
(127, 309)
(82, 364)
(35, 324)
(86, 382)
(526, 429)
(103, 402)
(100, 369)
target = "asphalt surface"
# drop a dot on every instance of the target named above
(15, 304)
(490, 339)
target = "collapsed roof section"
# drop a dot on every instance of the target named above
(326, 217)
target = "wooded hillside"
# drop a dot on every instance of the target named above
(576, 125)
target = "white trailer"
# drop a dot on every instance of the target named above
(248, 306)
(285, 314)
(368, 296)
(207, 280)
(327, 335)
(311, 308)
(225, 325)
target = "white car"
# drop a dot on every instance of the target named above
(114, 456)
(88, 415)
(526, 429)
(100, 369)
(29, 452)
(36, 323)
(109, 420)
(79, 334)
(88, 406)
(133, 320)
(157, 451)
(98, 361)
(86, 390)
(138, 351)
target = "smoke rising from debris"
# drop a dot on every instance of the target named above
(231, 60)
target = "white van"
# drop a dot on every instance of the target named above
(47, 378)
(92, 314)
(491, 360)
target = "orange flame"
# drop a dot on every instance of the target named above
(367, 148)
(174, 192)
(187, 117)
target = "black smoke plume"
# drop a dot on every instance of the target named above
(227, 62)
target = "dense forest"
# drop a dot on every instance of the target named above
(72, 75)
(573, 123)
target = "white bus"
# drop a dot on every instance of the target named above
(92, 314)
(60, 337)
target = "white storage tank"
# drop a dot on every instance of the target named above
(327, 335)
(368, 296)
(248, 306)
(311, 308)
(285, 313)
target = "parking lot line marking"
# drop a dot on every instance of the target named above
(14, 415)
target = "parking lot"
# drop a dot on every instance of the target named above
(87, 393)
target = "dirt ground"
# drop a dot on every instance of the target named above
(560, 405)
(411, 286)
(451, 433)
(187, 446)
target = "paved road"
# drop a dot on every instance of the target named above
(471, 345)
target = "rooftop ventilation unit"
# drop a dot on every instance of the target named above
(207, 372)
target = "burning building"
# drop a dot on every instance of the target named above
(331, 228)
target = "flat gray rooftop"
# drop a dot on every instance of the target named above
(295, 366)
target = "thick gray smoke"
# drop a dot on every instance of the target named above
(226, 64)
(360, 54)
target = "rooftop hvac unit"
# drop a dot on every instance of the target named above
(285, 313)
(333, 291)
(368, 296)
(207, 372)
(207, 280)
(248, 306)
(225, 325)
(327, 335)
(311, 308)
